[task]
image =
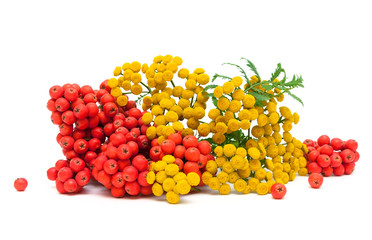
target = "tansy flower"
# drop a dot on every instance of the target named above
(213, 113)
(228, 87)
(125, 66)
(248, 101)
(116, 92)
(168, 184)
(187, 94)
(223, 177)
(235, 106)
(136, 89)
(254, 164)
(193, 179)
(287, 126)
(262, 120)
(171, 116)
(167, 131)
(135, 66)
(198, 113)
(218, 151)
(214, 183)
(150, 177)
(238, 94)
(237, 161)
(158, 59)
(113, 83)
(183, 187)
(253, 182)
(159, 120)
(245, 124)
(167, 59)
(257, 131)
(151, 132)
(117, 71)
(233, 125)
(254, 114)
(211, 167)
(218, 92)
(177, 60)
(227, 167)
(178, 126)
(172, 197)
(221, 127)
(272, 151)
(202, 79)
(171, 169)
(136, 78)
(285, 112)
(172, 67)
(240, 185)
(157, 189)
(224, 189)
(296, 118)
(179, 176)
(127, 74)
(241, 152)
(229, 150)
(206, 176)
(260, 174)
(199, 71)
(233, 176)
(122, 101)
(204, 129)
(223, 103)
(160, 176)
(262, 188)
(244, 173)
(218, 138)
(220, 161)
(237, 81)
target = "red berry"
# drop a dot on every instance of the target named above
(81, 111)
(64, 174)
(112, 152)
(351, 144)
(90, 98)
(323, 160)
(339, 171)
(82, 124)
(327, 171)
(324, 139)
(103, 178)
(349, 168)
(155, 153)
(204, 147)
(117, 180)
(118, 139)
(56, 92)
(143, 142)
(130, 122)
(108, 129)
(357, 156)
(315, 180)
(117, 192)
(51, 105)
(71, 94)
(65, 129)
(60, 164)
(20, 184)
(335, 159)
(168, 146)
(77, 164)
(347, 156)
(130, 173)
(82, 178)
(176, 138)
(100, 161)
(179, 151)
(179, 162)
(190, 141)
(202, 161)
(86, 89)
(192, 154)
(140, 162)
(92, 109)
(146, 190)
(135, 112)
(67, 143)
(110, 166)
(337, 144)
(80, 146)
(309, 143)
(326, 149)
(278, 190)
(313, 155)
(110, 109)
(314, 167)
(133, 146)
(56, 118)
(52, 173)
(60, 187)
(190, 167)
(132, 188)
(124, 152)
(107, 98)
(62, 105)
(94, 144)
(142, 178)
(70, 185)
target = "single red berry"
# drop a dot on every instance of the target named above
(86, 89)
(100, 160)
(130, 174)
(90, 98)
(309, 142)
(337, 144)
(52, 173)
(347, 155)
(124, 152)
(110, 109)
(168, 146)
(112, 152)
(56, 92)
(204, 147)
(79, 134)
(143, 142)
(20, 184)
(315, 180)
(176, 137)
(179, 151)
(357, 156)
(313, 155)
(135, 112)
(64, 174)
(60, 164)
(133, 146)
(70, 185)
(62, 105)
(146, 190)
(202, 161)
(326, 149)
(81, 111)
(65, 129)
(109, 129)
(278, 190)
(76, 102)
(118, 180)
(117, 139)
(77, 164)
(60, 187)
(190, 141)
(117, 192)
(123, 164)
(180, 163)
(155, 153)
(313, 167)
(349, 168)
(140, 162)
(93, 110)
(103, 177)
(82, 124)
(51, 105)
(130, 122)
(190, 167)
(336, 159)
(323, 160)
(339, 171)
(107, 98)
(192, 154)
(56, 118)
(67, 143)
(98, 132)
(110, 166)
(132, 188)
(83, 177)
(327, 171)
(351, 144)
(71, 94)
(324, 139)
(142, 178)
(80, 146)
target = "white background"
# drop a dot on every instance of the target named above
(44, 43)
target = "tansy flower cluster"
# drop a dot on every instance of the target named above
(164, 175)
(251, 136)
(167, 105)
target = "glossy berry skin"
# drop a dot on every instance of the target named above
(168, 146)
(20, 184)
(337, 144)
(132, 188)
(323, 160)
(52, 173)
(70, 185)
(130, 174)
(351, 144)
(278, 190)
(190, 141)
(324, 139)
(347, 156)
(192, 154)
(315, 180)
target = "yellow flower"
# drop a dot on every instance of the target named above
(237, 81)
(147, 118)
(262, 120)
(172, 197)
(257, 131)
(287, 126)
(206, 176)
(125, 66)
(213, 113)
(227, 167)
(136, 78)
(116, 92)
(245, 124)
(177, 60)
(167, 59)
(151, 132)
(260, 174)
(178, 126)
(224, 189)
(199, 71)
(172, 67)
(254, 114)
(113, 83)
(135, 66)
(262, 188)
(168, 159)
(223, 103)
(228, 87)
(221, 127)
(198, 113)
(240, 185)
(183, 73)
(168, 184)
(218, 151)
(303, 172)
(193, 123)
(296, 118)
(157, 189)
(248, 101)
(229, 150)
(211, 167)
(122, 101)
(254, 164)
(253, 182)
(221, 161)
(218, 92)
(159, 120)
(136, 89)
(285, 112)
(171, 116)
(233, 125)
(179, 176)
(193, 179)
(187, 94)
(117, 71)
(158, 59)
(223, 177)
(272, 151)
(218, 138)
(202, 79)
(241, 152)
(204, 129)
(183, 187)
(237, 162)
(150, 177)
(214, 183)
(238, 94)
(235, 106)
(190, 84)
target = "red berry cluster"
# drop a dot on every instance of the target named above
(190, 154)
(90, 124)
(334, 156)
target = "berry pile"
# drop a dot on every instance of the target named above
(334, 156)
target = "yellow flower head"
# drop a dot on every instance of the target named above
(254, 153)
(204, 129)
(219, 138)
(136, 89)
(224, 189)
(172, 197)
(248, 101)
(150, 177)
(229, 150)
(193, 179)
(240, 185)
(202, 79)
(223, 103)
(262, 188)
(177, 60)
(238, 94)
(223, 177)
(211, 167)
(183, 73)
(117, 71)
(167, 75)
(235, 106)
(135, 66)
(237, 81)
(218, 92)
(171, 116)
(214, 183)
(206, 176)
(183, 187)
(157, 189)
(213, 113)
(228, 87)
(168, 184)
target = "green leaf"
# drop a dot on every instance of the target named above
(220, 76)
(240, 69)
(209, 87)
(214, 100)
(295, 97)
(253, 68)
(277, 72)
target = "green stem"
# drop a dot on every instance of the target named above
(145, 86)
(173, 84)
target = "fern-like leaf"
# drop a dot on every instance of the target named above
(253, 68)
